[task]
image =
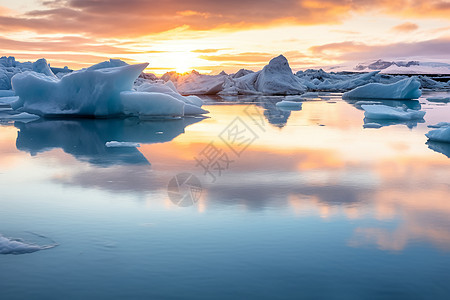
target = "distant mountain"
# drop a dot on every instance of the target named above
(396, 67)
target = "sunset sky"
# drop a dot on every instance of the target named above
(211, 36)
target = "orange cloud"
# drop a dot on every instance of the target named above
(405, 27)
(138, 18)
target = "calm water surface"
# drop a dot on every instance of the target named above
(292, 204)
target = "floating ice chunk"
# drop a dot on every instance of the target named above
(359, 103)
(19, 117)
(16, 246)
(289, 104)
(384, 112)
(408, 88)
(439, 125)
(151, 104)
(114, 144)
(439, 135)
(439, 99)
(372, 125)
(85, 92)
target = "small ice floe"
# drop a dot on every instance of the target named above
(372, 125)
(115, 144)
(289, 105)
(384, 112)
(310, 95)
(408, 88)
(439, 135)
(23, 117)
(19, 246)
(359, 103)
(439, 99)
(439, 125)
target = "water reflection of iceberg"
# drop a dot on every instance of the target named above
(443, 148)
(410, 104)
(409, 123)
(273, 114)
(85, 139)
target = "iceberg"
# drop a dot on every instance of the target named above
(10, 67)
(439, 135)
(103, 90)
(85, 92)
(384, 112)
(404, 89)
(195, 83)
(277, 78)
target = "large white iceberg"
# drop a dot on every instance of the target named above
(384, 112)
(277, 78)
(408, 88)
(439, 135)
(103, 90)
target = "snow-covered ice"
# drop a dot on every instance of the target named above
(439, 135)
(114, 144)
(384, 112)
(404, 89)
(151, 104)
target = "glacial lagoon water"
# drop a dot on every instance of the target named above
(252, 202)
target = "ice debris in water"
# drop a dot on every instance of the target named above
(287, 103)
(18, 246)
(372, 125)
(408, 88)
(439, 135)
(439, 125)
(439, 99)
(114, 144)
(384, 112)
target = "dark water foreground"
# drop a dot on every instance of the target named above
(253, 202)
